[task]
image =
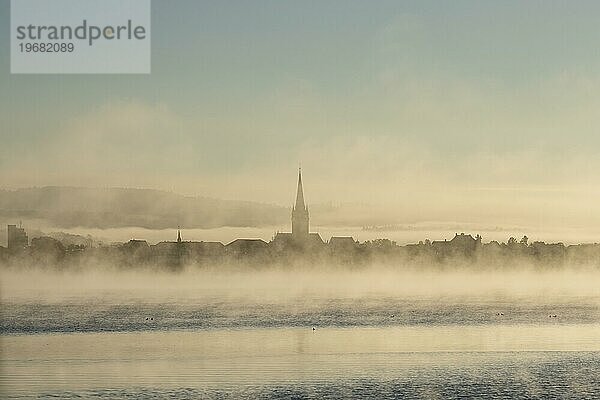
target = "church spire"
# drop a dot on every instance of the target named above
(300, 193)
(178, 235)
(300, 213)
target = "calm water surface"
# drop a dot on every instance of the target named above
(372, 347)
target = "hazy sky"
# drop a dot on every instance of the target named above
(484, 106)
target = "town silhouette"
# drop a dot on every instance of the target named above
(298, 247)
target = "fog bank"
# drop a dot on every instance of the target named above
(277, 284)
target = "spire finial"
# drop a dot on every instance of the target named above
(300, 192)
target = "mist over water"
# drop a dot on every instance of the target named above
(104, 300)
(318, 331)
(281, 284)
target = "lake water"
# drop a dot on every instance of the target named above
(123, 344)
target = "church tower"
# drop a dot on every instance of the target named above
(300, 213)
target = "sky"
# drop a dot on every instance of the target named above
(484, 111)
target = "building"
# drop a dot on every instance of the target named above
(247, 247)
(300, 218)
(182, 252)
(300, 237)
(136, 251)
(343, 249)
(342, 243)
(17, 238)
(460, 246)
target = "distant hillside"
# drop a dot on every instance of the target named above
(67, 207)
